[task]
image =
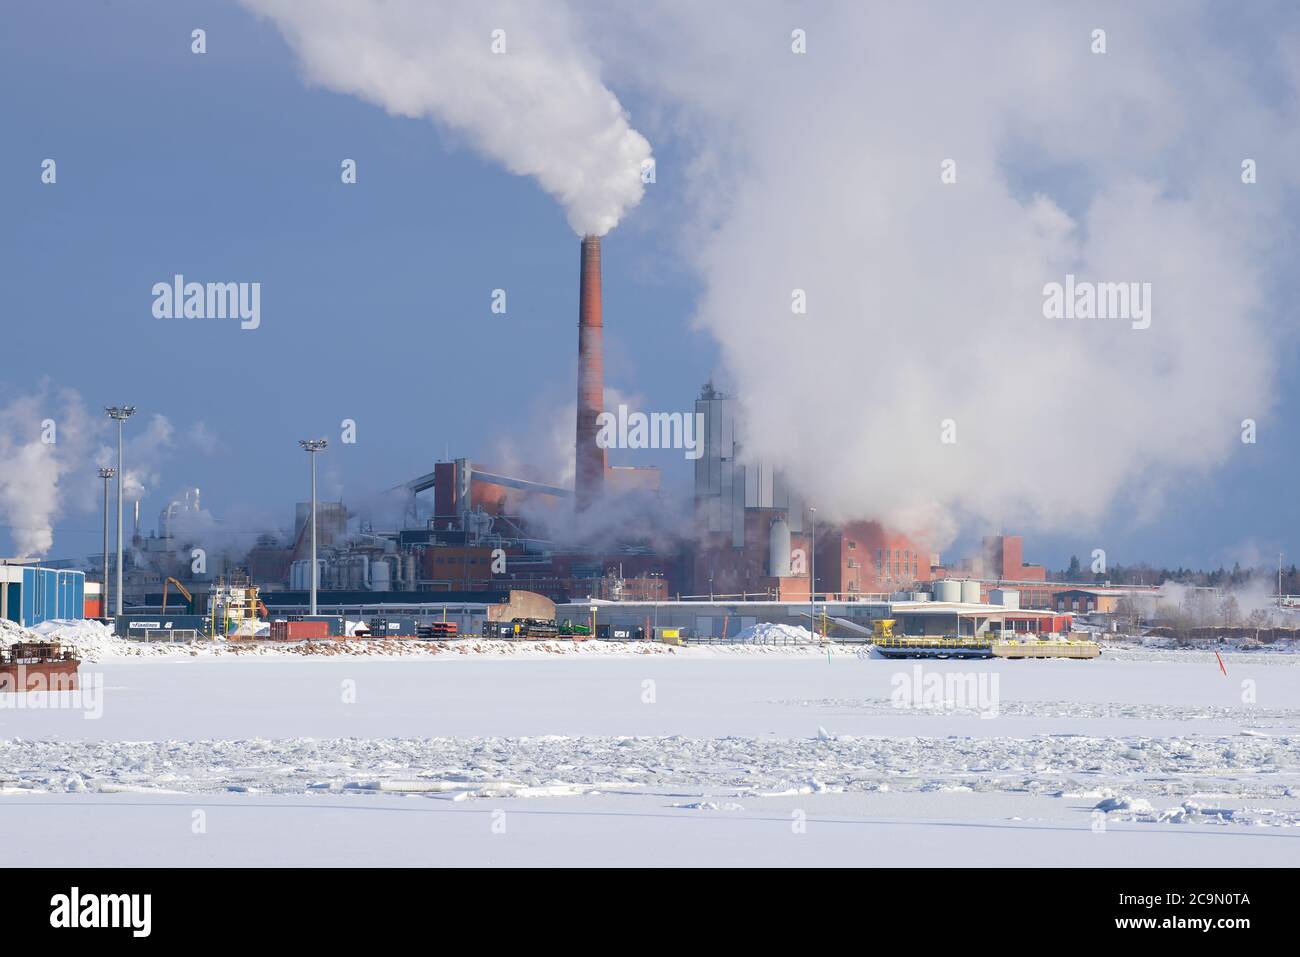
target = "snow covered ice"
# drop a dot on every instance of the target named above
(609, 753)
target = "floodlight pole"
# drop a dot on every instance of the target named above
(119, 414)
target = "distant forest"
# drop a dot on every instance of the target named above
(1146, 574)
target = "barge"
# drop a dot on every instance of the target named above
(983, 647)
(933, 647)
(37, 666)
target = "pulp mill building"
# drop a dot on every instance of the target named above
(473, 531)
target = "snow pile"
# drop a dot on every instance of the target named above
(771, 633)
(92, 640)
(1127, 805)
(87, 639)
(11, 633)
(1127, 808)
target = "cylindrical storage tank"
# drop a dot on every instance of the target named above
(380, 575)
(1006, 597)
(920, 596)
(778, 548)
(970, 592)
(947, 590)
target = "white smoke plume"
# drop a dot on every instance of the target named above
(821, 172)
(538, 106)
(51, 446)
(44, 438)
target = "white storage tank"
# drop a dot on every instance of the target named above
(920, 596)
(1006, 597)
(970, 592)
(778, 548)
(380, 575)
(947, 590)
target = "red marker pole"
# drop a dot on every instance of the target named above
(1217, 655)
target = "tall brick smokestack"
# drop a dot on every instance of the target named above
(591, 459)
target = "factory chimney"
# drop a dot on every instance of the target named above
(591, 459)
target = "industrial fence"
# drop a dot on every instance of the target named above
(169, 634)
(776, 638)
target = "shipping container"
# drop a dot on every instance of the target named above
(333, 622)
(397, 626)
(282, 630)
(620, 632)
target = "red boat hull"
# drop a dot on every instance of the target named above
(41, 676)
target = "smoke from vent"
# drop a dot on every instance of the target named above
(537, 105)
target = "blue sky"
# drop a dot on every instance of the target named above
(375, 297)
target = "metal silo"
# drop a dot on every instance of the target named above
(970, 592)
(778, 548)
(947, 590)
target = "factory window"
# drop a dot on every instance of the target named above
(853, 545)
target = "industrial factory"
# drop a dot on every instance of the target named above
(475, 540)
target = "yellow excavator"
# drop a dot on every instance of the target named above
(189, 599)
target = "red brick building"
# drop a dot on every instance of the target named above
(865, 557)
(1004, 560)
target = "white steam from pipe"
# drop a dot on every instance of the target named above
(537, 105)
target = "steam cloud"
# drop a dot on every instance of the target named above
(32, 469)
(41, 481)
(539, 108)
(821, 172)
